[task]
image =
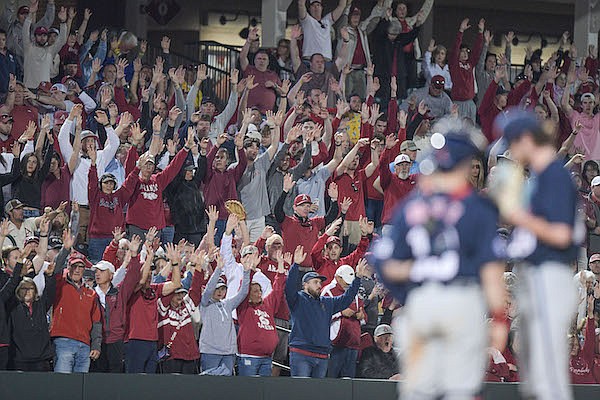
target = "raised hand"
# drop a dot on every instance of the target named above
(157, 124)
(165, 44)
(334, 227)
(481, 25)
(365, 227)
(118, 234)
(201, 73)
(134, 245)
(345, 206)
(431, 46)
(464, 25)
(101, 117)
(390, 141)
(267, 232)
(288, 183)
(299, 255)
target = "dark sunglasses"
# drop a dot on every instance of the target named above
(439, 82)
(6, 118)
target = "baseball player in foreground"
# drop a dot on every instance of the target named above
(443, 255)
(545, 237)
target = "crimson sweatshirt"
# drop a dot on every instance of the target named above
(581, 365)
(257, 335)
(394, 188)
(107, 210)
(463, 80)
(146, 205)
(345, 331)
(326, 266)
(222, 186)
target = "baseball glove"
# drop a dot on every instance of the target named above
(506, 188)
(236, 208)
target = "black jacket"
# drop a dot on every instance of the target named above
(186, 202)
(30, 333)
(7, 292)
(375, 364)
(383, 49)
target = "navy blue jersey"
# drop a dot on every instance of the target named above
(553, 198)
(448, 238)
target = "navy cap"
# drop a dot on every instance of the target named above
(517, 123)
(312, 275)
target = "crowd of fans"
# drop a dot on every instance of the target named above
(120, 249)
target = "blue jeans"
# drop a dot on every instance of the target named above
(254, 366)
(213, 361)
(96, 248)
(166, 234)
(141, 356)
(71, 355)
(342, 363)
(374, 210)
(306, 366)
(220, 225)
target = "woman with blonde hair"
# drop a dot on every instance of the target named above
(477, 174)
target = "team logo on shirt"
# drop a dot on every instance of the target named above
(149, 191)
(263, 320)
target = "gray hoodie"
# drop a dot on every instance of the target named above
(218, 334)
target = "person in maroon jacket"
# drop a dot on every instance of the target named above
(257, 337)
(146, 205)
(462, 62)
(326, 252)
(142, 336)
(494, 102)
(175, 329)
(106, 207)
(395, 186)
(113, 301)
(299, 230)
(581, 362)
(220, 182)
(272, 243)
(345, 326)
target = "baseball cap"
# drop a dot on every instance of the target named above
(250, 249)
(40, 30)
(104, 265)
(438, 81)
(408, 145)
(12, 204)
(87, 133)
(314, 1)
(588, 96)
(383, 329)
(23, 10)
(345, 272)
(189, 166)
(253, 132)
(355, 11)
(206, 100)
(302, 199)
(517, 123)
(60, 87)
(312, 275)
(45, 86)
(394, 28)
(78, 258)
(108, 177)
(53, 30)
(401, 158)
(501, 91)
(60, 117)
(160, 254)
(272, 239)
(333, 239)
(595, 257)
(31, 239)
(595, 181)
(54, 242)
(181, 290)
(221, 283)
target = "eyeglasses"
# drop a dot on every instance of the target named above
(6, 118)
(439, 83)
(354, 186)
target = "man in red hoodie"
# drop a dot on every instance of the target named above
(146, 204)
(462, 62)
(395, 186)
(76, 321)
(257, 336)
(581, 361)
(326, 252)
(345, 327)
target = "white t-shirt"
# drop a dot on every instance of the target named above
(317, 36)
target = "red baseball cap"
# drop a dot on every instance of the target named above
(302, 199)
(45, 86)
(333, 239)
(60, 117)
(78, 258)
(41, 30)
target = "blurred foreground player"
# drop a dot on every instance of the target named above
(546, 238)
(443, 257)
